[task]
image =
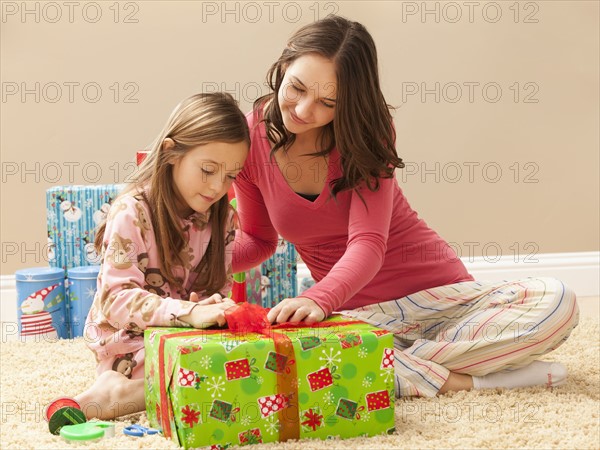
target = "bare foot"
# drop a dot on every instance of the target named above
(112, 395)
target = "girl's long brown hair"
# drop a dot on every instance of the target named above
(198, 120)
(362, 126)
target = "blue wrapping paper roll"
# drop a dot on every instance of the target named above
(73, 212)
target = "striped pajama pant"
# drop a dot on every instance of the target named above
(472, 328)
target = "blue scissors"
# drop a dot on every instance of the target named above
(138, 430)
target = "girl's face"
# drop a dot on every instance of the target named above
(307, 94)
(204, 174)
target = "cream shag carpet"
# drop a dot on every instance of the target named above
(566, 417)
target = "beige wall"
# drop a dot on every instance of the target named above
(542, 133)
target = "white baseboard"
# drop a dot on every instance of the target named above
(580, 271)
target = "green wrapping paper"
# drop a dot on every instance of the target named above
(218, 388)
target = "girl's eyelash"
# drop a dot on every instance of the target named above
(327, 105)
(207, 172)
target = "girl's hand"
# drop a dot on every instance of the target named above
(215, 298)
(299, 309)
(208, 314)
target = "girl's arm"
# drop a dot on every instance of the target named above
(123, 296)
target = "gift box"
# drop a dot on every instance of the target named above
(73, 212)
(221, 388)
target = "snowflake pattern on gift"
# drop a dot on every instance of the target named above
(328, 398)
(367, 382)
(362, 352)
(260, 380)
(215, 386)
(366, 416)
(246, 420)
(330, 359)
(388, 375)
(206, 362)
(272, 425)
(190, 438)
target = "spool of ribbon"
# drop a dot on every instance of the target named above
(61, 412)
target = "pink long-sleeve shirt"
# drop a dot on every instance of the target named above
(358, 255)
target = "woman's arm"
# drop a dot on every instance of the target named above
(257, 239)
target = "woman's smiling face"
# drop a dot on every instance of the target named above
(307, 96)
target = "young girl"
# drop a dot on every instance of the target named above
(321, 173)
(166, 248)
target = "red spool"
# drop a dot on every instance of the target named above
(62, 402)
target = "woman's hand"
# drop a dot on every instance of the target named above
(209, 312)
(299, 309)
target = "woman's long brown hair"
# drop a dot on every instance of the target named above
(362, 128)
(198, 120)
